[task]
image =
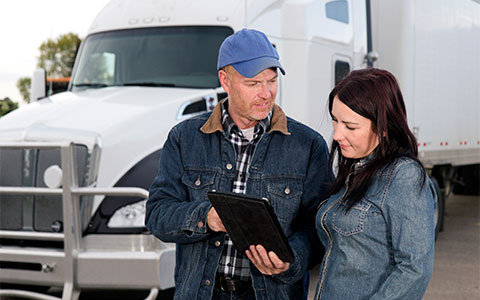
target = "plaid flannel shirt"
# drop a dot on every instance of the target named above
(232, 263)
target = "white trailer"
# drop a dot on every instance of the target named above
(75, 167)
(433, 48)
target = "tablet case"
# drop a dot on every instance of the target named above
(250, 220)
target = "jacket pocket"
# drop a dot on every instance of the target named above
(285, 197)
(352, 221)
(198, 183)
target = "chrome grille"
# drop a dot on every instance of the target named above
(11, 167)
(25, 167)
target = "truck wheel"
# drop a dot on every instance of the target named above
(467, 180)
(166, 294)
(439, 207)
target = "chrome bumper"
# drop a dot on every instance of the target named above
(127, 262)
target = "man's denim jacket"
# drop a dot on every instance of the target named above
(289, 167)
(382, 248)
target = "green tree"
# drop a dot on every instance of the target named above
(6, 106)
(56, 57)
(23, 85)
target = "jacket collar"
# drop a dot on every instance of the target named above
(362, 162)
(214, 122)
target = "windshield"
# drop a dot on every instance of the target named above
(160, 56)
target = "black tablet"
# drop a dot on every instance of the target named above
(250, 220)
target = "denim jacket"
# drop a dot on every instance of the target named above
(289, 167)
(382, 248)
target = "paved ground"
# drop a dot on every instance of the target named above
(456, 275)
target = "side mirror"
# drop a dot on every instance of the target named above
(39, 86)
(371, 57)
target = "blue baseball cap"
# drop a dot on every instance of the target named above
(250, 52)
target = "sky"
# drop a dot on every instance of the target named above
(25, 24)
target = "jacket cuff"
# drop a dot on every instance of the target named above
(301, 250)
(197, 223)
(293, 274)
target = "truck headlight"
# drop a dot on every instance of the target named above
(132, 215)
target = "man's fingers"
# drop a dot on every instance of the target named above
(264, 256)
(277, 262)
(251, 257)
(220, 227)
(214, 222)
(266, 263)
(257, 260)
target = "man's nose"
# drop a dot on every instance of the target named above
(265, 91)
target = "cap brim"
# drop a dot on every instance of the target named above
(251, 68)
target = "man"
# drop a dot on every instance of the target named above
(246, 145)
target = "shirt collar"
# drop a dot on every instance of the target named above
(278, 121)
(228, 124)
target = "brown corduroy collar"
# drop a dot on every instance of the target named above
(214, 123)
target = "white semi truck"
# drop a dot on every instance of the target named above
(75, 167)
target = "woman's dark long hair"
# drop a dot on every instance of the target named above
(375, 95)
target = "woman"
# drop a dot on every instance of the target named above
(377, 224)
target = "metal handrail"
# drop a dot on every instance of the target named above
(32, 235)
(23, 190)
(81, 191)
(115, 191)
(27, 295)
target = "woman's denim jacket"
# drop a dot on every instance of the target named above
(382, 248)
(289, 167)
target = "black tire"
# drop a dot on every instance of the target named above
(166, 294)
(467, 180)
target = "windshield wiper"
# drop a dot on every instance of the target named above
(94, 85)
(154, 84)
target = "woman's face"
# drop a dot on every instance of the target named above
(353, 132)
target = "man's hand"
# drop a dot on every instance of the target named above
(266, 263)
(214, 222)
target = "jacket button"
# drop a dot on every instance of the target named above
(198, 182)
(217, 243)
(229, 166)
(207, 282)
(287, 191)
(200, 224)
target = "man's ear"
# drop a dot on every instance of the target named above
(224, 80)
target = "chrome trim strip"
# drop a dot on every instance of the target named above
(31, 235)
(117, 191)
